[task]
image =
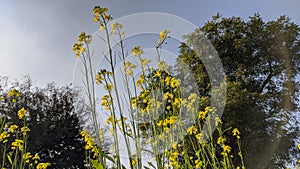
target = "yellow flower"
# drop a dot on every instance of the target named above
(3, 137)
(42, 165)
(145, 61)
(236, 132)
(157, 74)
(116, 27)
(218, 121)
(109, 120)
(26, 157)
(12, 128)
(90, 144)
(36, 158)
(202, 115)
(198, 163)
(22, 113)
(221, 140)
(84, 38)
(134, 162)
(17, 144)
(199, 136)
(78, 49)
(161, 65)
(192, 130)
(168, 95)
(163, 36)
(106, 102)
(137, 51)
(99, 78)
(24, 130)
(174, 83)
(13, 92)
(226, 150)
(128, 66)
(108, 87)
(101, 11)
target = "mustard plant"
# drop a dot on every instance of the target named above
(14, 139)
(155, 111)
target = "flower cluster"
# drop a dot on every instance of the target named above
(13, 94)
(137, 51)
(4, 136)
(43, 165)
(128, 68)
(90, 144)
(82, 39)
(101, 16)
(102, 75)
(116, 29)
(162, 36)
(14, 139)
(22, 113)
(236, 132)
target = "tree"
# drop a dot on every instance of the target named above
(261, 62)
(54, 125)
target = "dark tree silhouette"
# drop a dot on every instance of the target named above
(54, 125)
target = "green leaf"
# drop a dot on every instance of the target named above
(106, 156)
(97, 165)
(9, 159)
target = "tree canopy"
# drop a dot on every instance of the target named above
(53, 122)
(261, 63)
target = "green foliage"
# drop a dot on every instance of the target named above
(261, 61)
(55, 130)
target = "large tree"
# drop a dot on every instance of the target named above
(261, 63)
(54, 125)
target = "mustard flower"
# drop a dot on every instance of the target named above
(218, 121)
(108, 87)
(84, 38)
(42, 165)
(36, 158)
(163, 36)
(24, 130)
(236, 132)
(202, 115)
(157, 74)
(134, 103)
(109, 120)
(137, 51)
(90, 144)
(192, 130)
(174, 83)
(226, 150)
(98, 11)
(128, 66)
(221, 140)
(22, 113)
(161, 65)
(12, 128)
(26, 157)
(116, 27)
(198, 163)
(17, 144)
(3, 136)
(78, 49)
(145, 61)
(106, 102)
(99, 78)
(199, 136)
(13, 93)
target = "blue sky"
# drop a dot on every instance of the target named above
(36, 37)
